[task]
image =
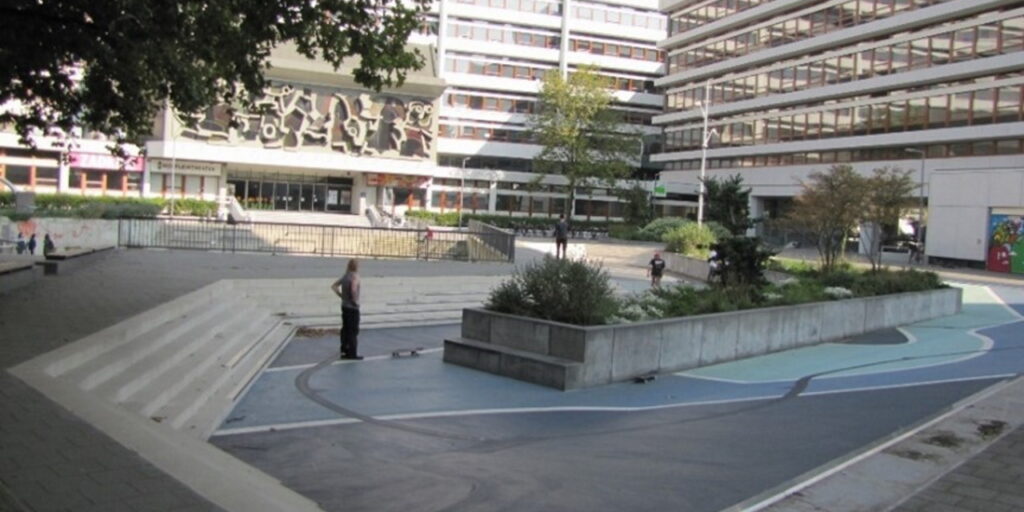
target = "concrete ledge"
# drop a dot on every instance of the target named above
(70, 259)
(543, 352)
(519, 364)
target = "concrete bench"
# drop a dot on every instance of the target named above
(69, 259)
(16, 274)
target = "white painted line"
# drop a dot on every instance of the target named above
(956, 408)
(1000, 301)
(526, 410)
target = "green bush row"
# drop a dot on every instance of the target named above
(580, 293)
(105, 207)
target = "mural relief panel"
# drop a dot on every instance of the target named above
(294, 117)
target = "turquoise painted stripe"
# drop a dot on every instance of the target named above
(938, 341)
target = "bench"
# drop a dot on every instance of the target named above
(15, 274)
(69, 259)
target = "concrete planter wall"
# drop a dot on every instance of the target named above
(698, 269)
(569, 357)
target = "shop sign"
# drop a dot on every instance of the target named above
(106, 161)
(190, 168)
(396, 180)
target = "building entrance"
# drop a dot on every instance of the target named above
(291, 192)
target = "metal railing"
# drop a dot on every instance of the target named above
(490, 244)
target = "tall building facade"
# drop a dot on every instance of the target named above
(795, 86)
(453, 136)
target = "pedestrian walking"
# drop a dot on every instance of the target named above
(561, 237)
(347, 287)
(32, 244)
(20, 246)
(712, 265)
(657, 268)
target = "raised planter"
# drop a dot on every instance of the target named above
(699, 269)
(568, 356)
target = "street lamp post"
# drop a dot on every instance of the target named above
(705, 139)
(462, 187)
(920, 192)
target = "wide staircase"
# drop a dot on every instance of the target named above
(186, 362)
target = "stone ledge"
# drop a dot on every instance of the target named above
(519, 364)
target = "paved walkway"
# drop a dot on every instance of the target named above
(51, 460)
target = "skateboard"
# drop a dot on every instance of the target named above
(644, 379)
(411, 352)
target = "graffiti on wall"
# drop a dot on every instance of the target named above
(1006, 244)
(295, 117)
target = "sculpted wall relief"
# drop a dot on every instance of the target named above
(295, 117)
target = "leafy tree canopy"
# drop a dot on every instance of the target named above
(729, 203)
(829, 207)
(582, 137)
(109, 65)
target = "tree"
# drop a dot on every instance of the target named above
(111, 65)
(888, 193)
(829, 207)
(729, 203)
(637, 208)
(582, 138)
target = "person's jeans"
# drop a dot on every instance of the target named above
(350, 332)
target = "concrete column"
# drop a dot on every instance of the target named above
(563, 55)
(442, 34)
(492, 197)
(756, 212)
(63, 177)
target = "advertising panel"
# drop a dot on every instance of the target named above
(1006, 243)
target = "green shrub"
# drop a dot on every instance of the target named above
(6, 200)
(882, 282)
(720, 231)
(690, 239)
(560, 290)
(622, 231)
(740, 261)
(656, 229)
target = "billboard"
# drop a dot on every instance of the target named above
(1006, 243)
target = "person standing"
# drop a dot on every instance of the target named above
(32, 244)
(657, 269)
(48, 246)
(21, 247)
(348, 287)
(561, 237)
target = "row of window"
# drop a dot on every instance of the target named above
(487, 162)
(79, 180)
(529, 72)
(955, 150)
(551, 7)
(503, 34)
(475, 102)
(502, 69)
(990, 39)
(485, 133)
(970, 108)
(829, 19)
(692, 17)
(618, 16)
(620, 50)
(508, 35)
(580, 10)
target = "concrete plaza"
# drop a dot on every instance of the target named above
(52, 460)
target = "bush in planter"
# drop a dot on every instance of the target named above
(656, 229)
(741, 261)
(691, 240)
(562, 290)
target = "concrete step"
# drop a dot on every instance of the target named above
(172, 388)
(169, 356)
(126, 355)
(206, 415)
(518, 364)
(230, 367)
(334, 309)
(99, 343)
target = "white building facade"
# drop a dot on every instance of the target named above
(453, 136)
(796, 86)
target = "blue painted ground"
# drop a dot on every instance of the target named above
(984, 341)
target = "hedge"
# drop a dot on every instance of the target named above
(105, 207)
